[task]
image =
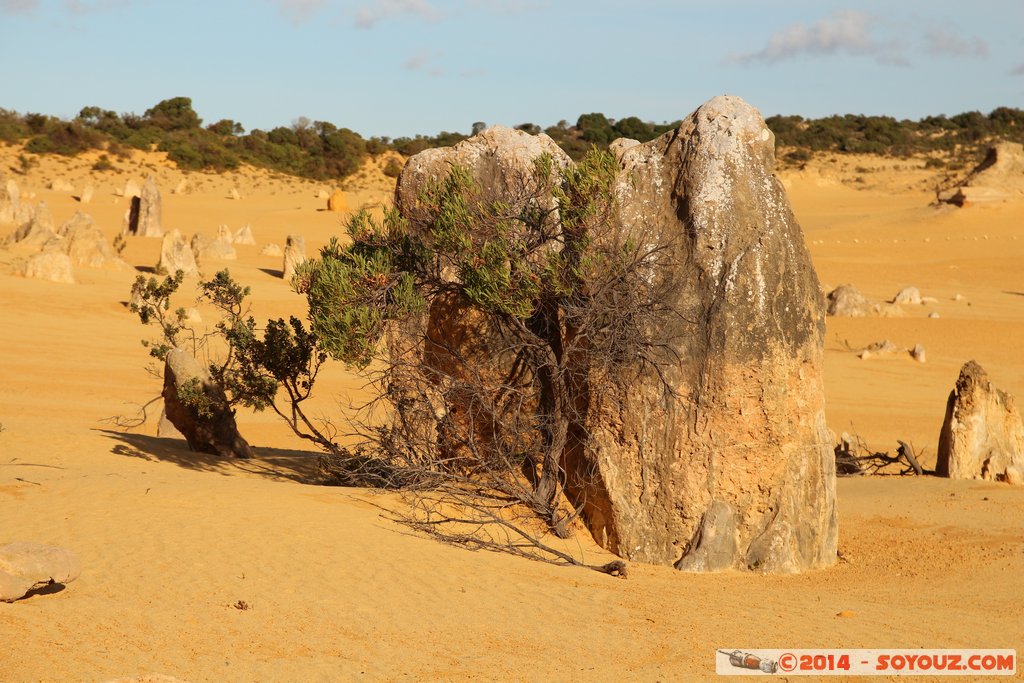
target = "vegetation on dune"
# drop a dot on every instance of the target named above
(321, 150)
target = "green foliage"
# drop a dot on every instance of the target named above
(151, 301)
(192, 394)
(173, 114)
(393, 168)
(353, 291)
(103, 164)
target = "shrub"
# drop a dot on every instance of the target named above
(393, 168)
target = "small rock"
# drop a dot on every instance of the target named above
(917, 353)
(958, 297)
(907, 295)
(224, 234)
(87, 193)
(846, 614)
(846, 300)
(233, 193)
(933, 314)
(271, 250)
(61, 185)
(217, 249)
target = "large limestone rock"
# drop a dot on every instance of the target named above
(10, 201)
(294, 255)
(37, 231)
(337, 202)
(218, 249)
(736, 470)
(25, 567)
(176, 254)
(244, 236)
(982, 435)
(53, 265)
(86, 244)
(1000, 176)
(145, 217)
(211, 429)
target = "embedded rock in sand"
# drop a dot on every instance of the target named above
(86, 245)
(25, 567)
(907, 295)
(736, 471)
(337, 202)
(846, 300)
(53, 265)
(145, 215)
(244, 236)
(982, 435)
(198, 408)
(175, 255)
(37, 231)
(294, 255)
(217, 249)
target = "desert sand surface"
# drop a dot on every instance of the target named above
(208, 570)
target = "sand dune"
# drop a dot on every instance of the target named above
(215, 571)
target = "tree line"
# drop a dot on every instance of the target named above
(321, 150)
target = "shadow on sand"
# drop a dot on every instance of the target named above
(273, 272)
(273, 463)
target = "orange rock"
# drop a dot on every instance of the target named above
(337, 202)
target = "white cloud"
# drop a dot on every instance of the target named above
(939, 41)
(842, 32)
(368, 16)
(18, 6)
(424, 61)
(1018, 70)
(299, 11)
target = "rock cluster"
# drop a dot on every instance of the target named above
(736, 471)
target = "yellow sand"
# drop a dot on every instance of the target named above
(173, 544)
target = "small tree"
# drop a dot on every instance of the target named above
(502, 312)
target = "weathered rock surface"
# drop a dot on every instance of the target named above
(37, 231)
(25, 567)
(736, 472)
(846, 300)
(165, 429)
(294, 255)
(908, 295)
(10, 201)
(86, 244)
(53, 265)
(217, 249)
(244, 236)
(998, 177)
(337, 201)
(175, 255)
(982, 435)
(145, 217)
(210, 430)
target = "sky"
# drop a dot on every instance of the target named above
(403, 67)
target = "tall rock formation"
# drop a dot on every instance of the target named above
(294, 255)
(735, 469)
(145, 217)
(982, 435)
(175, 255)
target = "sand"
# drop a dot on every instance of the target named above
(213, 571)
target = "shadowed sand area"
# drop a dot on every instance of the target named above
(172, 542)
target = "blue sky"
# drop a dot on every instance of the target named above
(401, 67)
